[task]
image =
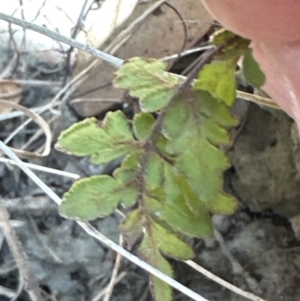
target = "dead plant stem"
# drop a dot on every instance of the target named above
(115, 272)
(30, 283)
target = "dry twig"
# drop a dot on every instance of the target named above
(45, 169)
(40, 121)
(30, 283)
(103, 292)
(236, 266)
(222, 282)
(110, 287)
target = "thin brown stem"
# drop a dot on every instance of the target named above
(148, 145)
(74, 34)
(185, 30)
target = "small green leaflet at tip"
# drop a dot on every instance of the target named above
(231, 45)
(89, 198)
(222, 36)
(157, 239)
(147, 80)
(222, 204)
(252, 71)
(218, 78)
(149, 252)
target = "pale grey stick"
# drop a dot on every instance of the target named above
(116, 62)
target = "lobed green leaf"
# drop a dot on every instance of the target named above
(120, 141)
(82, 139)
(180, 218)
(111, 141)
(89, 198)
(147, 80)
(202, 162)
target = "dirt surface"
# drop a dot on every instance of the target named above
(255, 249)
